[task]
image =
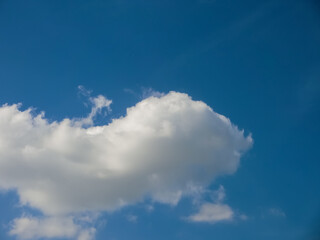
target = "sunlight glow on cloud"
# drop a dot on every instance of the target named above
(163, 145)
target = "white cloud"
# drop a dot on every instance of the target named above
(277, 212)
(149, 208)
(50, 227)
(149, 92)
(132, 218)
(212, 213)
(219, 195)
(158, 150)
(87, 234)
(98, 103)
(243, 217)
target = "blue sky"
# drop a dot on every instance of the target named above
(254, 62)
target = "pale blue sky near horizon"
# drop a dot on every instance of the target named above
(255, 62)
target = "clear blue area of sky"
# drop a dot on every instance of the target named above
(256, 62)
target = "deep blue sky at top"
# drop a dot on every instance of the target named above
(256, 62)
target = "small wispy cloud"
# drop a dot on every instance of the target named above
(145, 92)
(212, 213)
(216, 210)
(132, 218)
(219, 195)
(149, 208)
(98, 104)
(277, 212)
(149, 92)
(243, 217)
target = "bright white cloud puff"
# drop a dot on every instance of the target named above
(163, 145)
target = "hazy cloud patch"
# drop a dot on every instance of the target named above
(277, 212)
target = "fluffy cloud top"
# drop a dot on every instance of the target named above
(163, 145)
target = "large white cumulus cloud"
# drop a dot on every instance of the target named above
(158, 150)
